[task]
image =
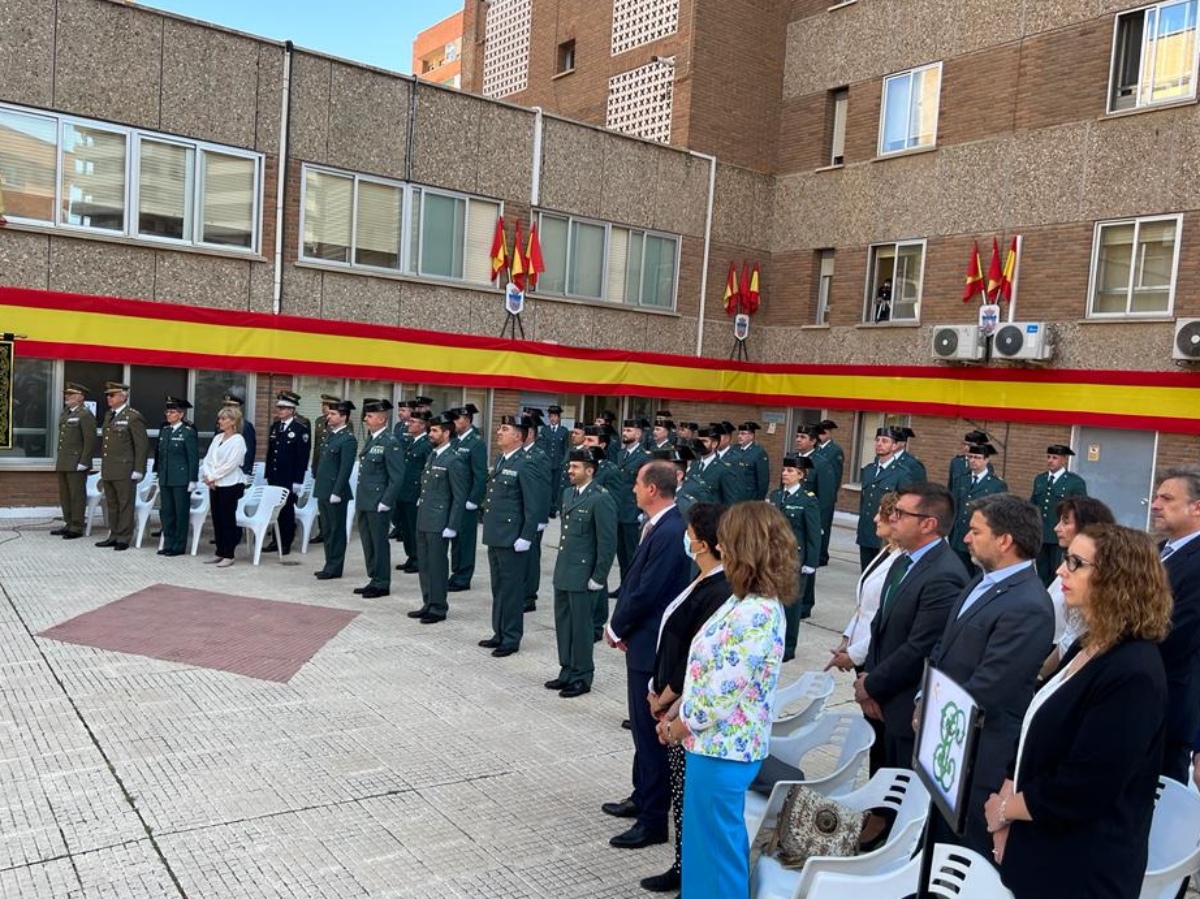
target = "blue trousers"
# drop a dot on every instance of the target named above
(716, 850)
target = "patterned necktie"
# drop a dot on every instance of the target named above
(895, 576)
(1167, 551)
(646, 532)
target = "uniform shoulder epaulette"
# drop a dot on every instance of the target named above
(810, 493)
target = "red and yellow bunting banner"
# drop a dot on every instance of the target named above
(103, 329)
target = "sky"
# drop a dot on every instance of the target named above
(377, 32)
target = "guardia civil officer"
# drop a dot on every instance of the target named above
(177, 465)
(445, 485)
(821, 479)
(958, 464)
(555, 440)
(538, 466)
(332, 487)
(756, 467)
(122, 463)
(380, 476)
(630, 460)
(882, 476)
(320, 430)
(470, 447)
(803, 513)
(249, 435)
(416, 450)
(73, 459)
(1050, 488)
(287, 462)
(981, 480)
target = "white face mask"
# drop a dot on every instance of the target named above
(687, 547)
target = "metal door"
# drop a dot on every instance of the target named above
(1118, 466)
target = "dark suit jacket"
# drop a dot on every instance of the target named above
(1088, 774)
(670, 661)
(658, 572)
(903, 634)
(1181, 649)
(995, 651)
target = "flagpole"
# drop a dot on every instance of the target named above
(1012, 303)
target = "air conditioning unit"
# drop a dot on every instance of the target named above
(1022, 340)
(957, 342)
(1187, 340)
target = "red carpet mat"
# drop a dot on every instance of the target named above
(259, 638)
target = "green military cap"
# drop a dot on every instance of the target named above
(115, 387)
(328, 399)
(72, 387)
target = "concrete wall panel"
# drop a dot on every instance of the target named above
(101, 268)
(368, 121)
(195, 280)
(504, 152)
(27, 52)
(358, 298)
(311, 76)
(210, 102)
(447, 129)
(25, 259)
(571, 157)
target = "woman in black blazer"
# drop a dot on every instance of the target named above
(1075, 819)
(681, 622)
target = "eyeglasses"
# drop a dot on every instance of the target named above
(1074, 562)
(898, 513)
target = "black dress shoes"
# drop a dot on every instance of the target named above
(361, 590)
(169, 553)
(161, 552)
(490, 643)
(503, 652)
(409, 567)
(325, 576)
(120, 547)
(457, 588)
(625, 725)
(638, 837)
(576, 689)
(316, 539)
(271, 547)
(662, 883)
(556, 684)
(626, 808)
(614, 594)
(375, 593)
(58, 532)
(71, 535)
(107, 543)
(433, 619)
(419, 613)
(530, 607)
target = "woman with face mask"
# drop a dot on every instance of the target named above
(681, 622)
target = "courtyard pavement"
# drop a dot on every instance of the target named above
(399, 761)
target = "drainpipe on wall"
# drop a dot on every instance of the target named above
(708, 218)
(412, 130)
(281, 176)
(535, 188)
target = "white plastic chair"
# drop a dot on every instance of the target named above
(143, 506)
(306, 511)
(806, 697)
(351, 504)
(258, 475)
(258, 512)
(957, 873)
(95, 503)
(847, 734)
(199, 500)
(894, 788)
(1174, 840)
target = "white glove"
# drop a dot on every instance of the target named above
(471, 507)
(449, 534)
(136, 476)
(522, 545)
(335, 499)
(191, 486)
(542, 526)
(382, 508)
(805, 569)
(81, 467)
(593, 586)
(296, 488)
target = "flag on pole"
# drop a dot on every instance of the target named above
(974, 283)
(744, 286)
(1010, 269)
(752, 295)
(499, 250)
(518, 261)
(533, 257)
(994, 273)
(731, 290)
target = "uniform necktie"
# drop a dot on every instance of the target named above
(895, 576)
(1167, 551)
(974, 479)
(649, 526)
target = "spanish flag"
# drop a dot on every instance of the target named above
(730, 299)
(752, 297)
(974, 275)
(533, 257)
(499, 250)
(518, 261)
(1010, 269)
(994, 273)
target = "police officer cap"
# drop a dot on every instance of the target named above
(690, 425)
(328, 399)
(515, 421)
(174, 402)
(287, 398)
(801, 462)
(908, 432)
(975, 437)
(229, 399)
(749, 426)
(343, 406)
(1058, 449)
(636, 423)
(466, 411)
(583, 454)
(664, 423)
(115, 387)
(426, 401)
(407, 404)
(728, 427)
(445, 420)
(531, 410)
(662, 413)
(72, 387)
(891, 433)
(608, 415)
(827, 425)
(713, 432)
(424, 416)
(981, 449)
(678, 453)
(376, 405)
(554, 410)
(809, 430)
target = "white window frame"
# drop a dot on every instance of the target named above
(869, 300)
(883, 109)
(1137, 222)
(356, 179)
(412, 266)
(132, 191)
(1138, 102)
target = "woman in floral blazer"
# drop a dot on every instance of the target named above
(724, 719)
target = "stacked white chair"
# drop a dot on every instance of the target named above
(957, 873)
(258, 512)
(801, 703)
(95, 503)
(144, 506)
(1174, 840)
(306, 511)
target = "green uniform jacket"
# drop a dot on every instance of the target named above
(609, 477)
(821, 481)
(553, 442)
(337, 462)
(915, 466)
(588, 540)
(757, 471)
(76, 439)
(833, 454)
(875, 484)
(958, 469)
(320, 432)
(694, 489)
(416, 451)
(725, 483)
(511, 503)
(126, 445)
(177, 456)
(803, 514)
(738, 486)
(444, 485)
(967, 492)
(471, 448)
(1047, 498)
(629, 463)
(537, 466)
(380, 471)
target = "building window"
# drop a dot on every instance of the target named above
(452, 235)
(566, 58)
(351, 219)
(72, 173)
(595, 261)
(1134, 263)
(839, 101)
(1154, 56)
(895, 274)
(910, 109)
(824, 285)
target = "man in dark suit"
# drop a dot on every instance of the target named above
(995, 641)
(920, 588)
(1175, 510)
(1050, 488)
(445, 483)
(659, 571)
(287, 463)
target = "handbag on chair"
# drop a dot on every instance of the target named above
(810, 824)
